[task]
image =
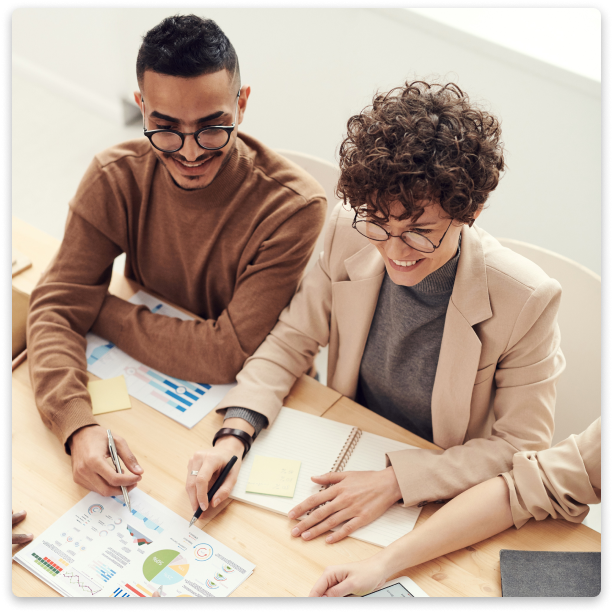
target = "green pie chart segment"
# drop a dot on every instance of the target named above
(165, 567)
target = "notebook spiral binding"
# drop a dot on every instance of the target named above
(342, 458)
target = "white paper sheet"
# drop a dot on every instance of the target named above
(99, 549)
(183, 401)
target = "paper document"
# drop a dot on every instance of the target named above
(183, 401)
(98, 548)
(109, 395)
(273, 476)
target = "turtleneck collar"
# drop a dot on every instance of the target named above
(442, 279)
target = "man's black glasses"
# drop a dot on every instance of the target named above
(209, 137)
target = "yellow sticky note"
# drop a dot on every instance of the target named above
(109, 395)
(273, 476)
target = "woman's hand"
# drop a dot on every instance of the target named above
(357, 498)
(209, 465)
(357, 578)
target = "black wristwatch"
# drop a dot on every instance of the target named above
(241, 435)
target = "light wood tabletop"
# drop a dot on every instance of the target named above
(42, 484)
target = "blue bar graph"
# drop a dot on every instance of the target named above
(191, 386)
(98, 352)
(119, 593)
(103, 570)
(189, 404)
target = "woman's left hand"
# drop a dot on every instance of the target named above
(357, 498)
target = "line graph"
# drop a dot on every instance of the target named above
(83, 582)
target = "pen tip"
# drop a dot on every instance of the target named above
(191, 523)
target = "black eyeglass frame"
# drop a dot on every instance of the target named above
(400, 236)
(227, 129)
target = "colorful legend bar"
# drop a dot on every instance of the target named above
(51, 567)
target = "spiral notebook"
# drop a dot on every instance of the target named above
(323, 446)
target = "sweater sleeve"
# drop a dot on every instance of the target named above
(556, 482)
(63, 306)
(524, 402)
(214, 350)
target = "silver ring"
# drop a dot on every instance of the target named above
(194, 473)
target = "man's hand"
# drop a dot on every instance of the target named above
(357, 498)
(89, 448)
(209, 465)
(19, 539)
(357, 578)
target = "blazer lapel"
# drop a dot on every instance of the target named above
(460, 347)
(354, 307)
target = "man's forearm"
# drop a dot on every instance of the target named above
(478, 513)
(203, 351)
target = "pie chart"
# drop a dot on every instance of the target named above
(165, 567)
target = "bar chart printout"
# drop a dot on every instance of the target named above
(184, 401)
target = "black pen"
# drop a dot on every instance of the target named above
(216, 486)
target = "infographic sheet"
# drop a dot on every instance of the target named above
(99, 549)
(183, 401)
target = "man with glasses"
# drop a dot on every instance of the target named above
(211, 220)
(429, 321)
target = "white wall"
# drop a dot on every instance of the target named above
(310, 69)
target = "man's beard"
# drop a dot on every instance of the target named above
(164, 156)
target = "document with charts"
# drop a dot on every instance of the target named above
(183, 401)
(98, 548)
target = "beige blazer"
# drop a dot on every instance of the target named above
(557, 482)
(494, 390)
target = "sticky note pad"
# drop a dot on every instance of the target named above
(273, 476)
(109, 395)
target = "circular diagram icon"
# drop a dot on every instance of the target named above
(95, 508)
(165, 567)
(202, 552)
(130, 370)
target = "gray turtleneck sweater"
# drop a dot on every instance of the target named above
(401, 354)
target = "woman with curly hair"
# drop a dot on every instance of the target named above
(430, 322)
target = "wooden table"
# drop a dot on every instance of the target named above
(42, 484)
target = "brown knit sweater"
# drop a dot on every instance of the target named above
(232, 253)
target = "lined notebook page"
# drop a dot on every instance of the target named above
(369, 454)
(295, 435)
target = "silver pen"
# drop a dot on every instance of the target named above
(115, 458)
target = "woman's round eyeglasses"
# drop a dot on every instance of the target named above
(209, 137)
(417, 241)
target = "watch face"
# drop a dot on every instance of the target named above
(397, 590)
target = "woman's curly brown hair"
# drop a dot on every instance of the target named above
(419, 143)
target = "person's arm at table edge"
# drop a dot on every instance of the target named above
(476, 514)
(235, 334)
(559, 482)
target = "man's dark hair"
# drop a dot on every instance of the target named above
(186, 46)
(419, 143)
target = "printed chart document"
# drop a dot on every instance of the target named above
(323, 445)
(183, 401)
(98, 548)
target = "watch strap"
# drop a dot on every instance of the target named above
(245, 438)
